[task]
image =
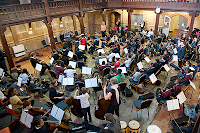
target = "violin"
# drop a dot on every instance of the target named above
(38, 111)
(40, 61)
(52, 125)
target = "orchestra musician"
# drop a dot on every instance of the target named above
(163, 94)
(34, 61)
(53, 94)
(176, 88)
(113, 123)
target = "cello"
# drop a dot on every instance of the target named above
(52, 125)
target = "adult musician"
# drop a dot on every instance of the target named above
(176, 88)
(163, 94)
(181, 54)
(114, 95)
(113, 123)
(34, 62)
(53, 94)
(142, 25)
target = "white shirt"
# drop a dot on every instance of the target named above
(114, 39)
(2, 95)
(70, 73)
(84, 100)
(110, 57)
(24, 77)
(128, 62)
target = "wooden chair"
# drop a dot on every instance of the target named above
(141, 104)
(141, 80)
(12, 112)
(105, 71)
(53, 74)
(5, 130)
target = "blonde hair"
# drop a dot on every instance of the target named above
(114, 80)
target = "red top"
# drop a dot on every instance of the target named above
(117, 64)
(82, 41)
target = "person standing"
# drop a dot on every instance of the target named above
(85, 104)
(113, 123)
(181, 54)
(103, 29)
(142, 25)
(118, 23)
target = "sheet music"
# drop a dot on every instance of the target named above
(38, 67)
(175, 57)
(192, 68)
(172, 104)
(193, 85)
(1, 72)
(153, 78)
(59, 114)
(176, 104)
(54, 111)
(126, 51)
(166, 67)
(68, 81)
(81, 47)
(60, 78)
(87, 83)
(72, 63)
(93, 82)
(51, 60)
(147, 59)
(29, 119)
(175, 51)
(101, 50)
(181, 97)
(117, 55)
(140, 65)
(123, 69)
(103, 59)
(86, 70)
(23, 117)
(70, 54)
(19, 83)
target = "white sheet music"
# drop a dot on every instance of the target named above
(126, 51)
(193, 85)
(23, 117)
(81, 47)
(51, 60)
(181, 97)
(70, 54)
(175, 57)
(101, 50)
(86, 70)
(172, 104)
(29, 119)
(175, 51)
(103, 59)
(19, 83)
(60, 78)
(153, 78)
(140, 65)
(59, 114)
(147, 59)
(91, 83)
(123, 69)
(192, 68)
(72, 63)
(38, 67)
(54, 111)
(117, 55)
(1, 72)
(166, 67)
(68, 81)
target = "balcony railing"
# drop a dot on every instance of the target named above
(15, 13)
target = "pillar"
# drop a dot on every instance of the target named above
(81, 22)
(74, 22)
(129, 19)
(14, 34)
(49, 26)
(103, 14)
(5, 46)
(157, 23)
(193, 15)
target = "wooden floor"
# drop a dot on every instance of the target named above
(158, 116)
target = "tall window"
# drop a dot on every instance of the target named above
(136, 19)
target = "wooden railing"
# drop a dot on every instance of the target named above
(13, 14)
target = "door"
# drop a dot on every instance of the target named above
(181, 26)
(166, 25)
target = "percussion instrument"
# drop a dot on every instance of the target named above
(123, 126)
(153, 129)
(134, 127)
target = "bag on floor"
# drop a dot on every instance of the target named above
(129, 93)
(146, 96)
(139, 90)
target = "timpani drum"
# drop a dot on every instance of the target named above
(123, 126)
(153, 129)
(134, 127)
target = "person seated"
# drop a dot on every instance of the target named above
(39, 127)
(116, 49)
(81, 55)
(65, 59)
(134, 55)
(34, 88)
(116, 65)
(2, 94)
(97, 59)
(55, 55)
(102, 67)
(128, 61)
(153, 68)
(187, 66)
(113, 123)
(187, 77)
(15, 100)
(120, 77)
(163, 94)
(19, 69)
(152, 50)
(25, 76)
(14, 73)
(70, 72)
(34, 62)
(53, 94)
(136, 76)
(176, 88)
(58, 68)
(110, 56)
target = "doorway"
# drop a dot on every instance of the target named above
(117, 16)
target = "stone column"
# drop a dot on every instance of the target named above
(156, 23)
(129, 19)
(81, 22)
(193, 15)
(14, 34)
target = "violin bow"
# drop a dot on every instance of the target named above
(46, 113)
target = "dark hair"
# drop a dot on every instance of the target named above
(10, 91)
(83, 90)
(64, 47)
(188, 70)
(136, 69)
(109, 117)
(179, 81)
(36, 121)
(26, 103)
(99, 53)
(79, 76)
(129, 56)
(119, 71)
(109, 76)
(24, 71)
(103, 63)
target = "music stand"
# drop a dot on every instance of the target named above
(182, 98)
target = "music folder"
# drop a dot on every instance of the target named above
(81, 47)
(91, 83)
(192, 68)
(57, 113)
(175, 57)
(193, 85)
(19, 82)
(70, 54)
(172, 104)
(26, 119)
(86, 70)
(117, 55)
(103, 59)
(126, 51)
(153, 78)
(123, 69)
(72, 63)
(147, 59)
(140, 65)
(175, 51)
(166, 67)
(51, 60)
(181, 97)
(38, 67)
(60, 78)
(101, 50)
(68, 81)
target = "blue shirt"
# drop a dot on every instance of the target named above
(52, 93)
